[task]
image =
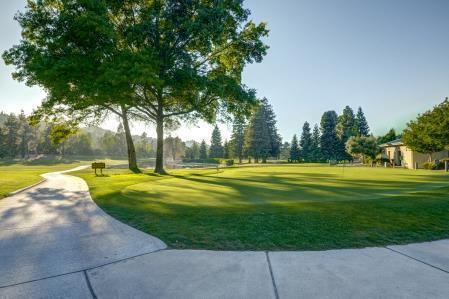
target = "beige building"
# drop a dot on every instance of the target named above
(400, 155)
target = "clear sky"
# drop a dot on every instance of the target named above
(390, 57)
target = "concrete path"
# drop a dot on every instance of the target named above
(56, 243)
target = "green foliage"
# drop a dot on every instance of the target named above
(203, 151)
(346, 126)
(216, 147)
(329, 141)
(433, 166)
(294, 150)
(429, 132)
(238, 137)
(226, 150)
(229, 162)
(285, 151)
(193, 152)
(165, 60)
(363, 147)
(316, 147)
(390, 136)
(262, 139)
(361, 124)
(305, 143)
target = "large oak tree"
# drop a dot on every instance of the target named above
(164, 59)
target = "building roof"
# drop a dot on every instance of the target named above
(396, 142)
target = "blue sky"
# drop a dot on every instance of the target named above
(390, 57)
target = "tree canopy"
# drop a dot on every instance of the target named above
(429, 133)
(163, 59)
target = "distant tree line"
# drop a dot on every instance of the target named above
(327, 141)
(20, 139)
(256, 139)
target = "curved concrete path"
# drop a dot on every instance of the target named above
(56, 243)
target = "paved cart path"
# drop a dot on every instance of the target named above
(55, 242)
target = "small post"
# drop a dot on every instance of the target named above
(446, 166)
(416, 165)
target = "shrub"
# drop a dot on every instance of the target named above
(433, 166)
(229, 162)
(206, 161)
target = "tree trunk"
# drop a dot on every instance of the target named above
(159, 168)
(240, 159)
(132, 160)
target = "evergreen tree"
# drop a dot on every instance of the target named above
(346, 124)
(390, 136)
(216, 148)
(203, 150)
(345, 130)
(361, 124)
(305, 143)
(270, 119)
(285, 151)
(329, 141)
(258, 136)
(12, 138)
(195, 150)
(238, 138)
(294, 150)
(25, 133)
(226, 150)
(316, 150)
(3, 151)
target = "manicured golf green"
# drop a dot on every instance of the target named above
(284, 207)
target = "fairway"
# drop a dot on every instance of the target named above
(279, 207)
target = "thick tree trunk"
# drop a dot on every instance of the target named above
(132, 160)
(159, 168)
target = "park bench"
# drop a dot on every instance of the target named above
(98, 165)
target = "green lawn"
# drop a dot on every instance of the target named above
(15, 175)
(286, 207)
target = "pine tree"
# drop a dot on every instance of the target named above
(258, 136)
(361, 124)
(195, 150)
(329, 141)
(294, 150)
(12, 138)
(226, 150)
(275, 138)
(345, 130)
(24, 135)
(390, 136)
(316, 150)
(203, 150)
(305, 143)
(346, 124)
(285, 151)
(216, 148)
(3, 151)
(238, 138)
